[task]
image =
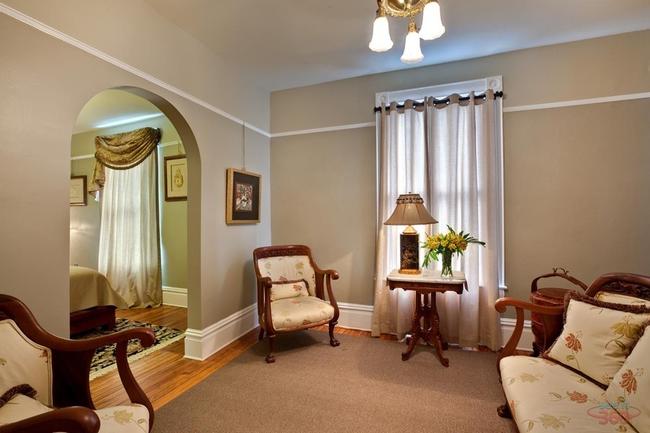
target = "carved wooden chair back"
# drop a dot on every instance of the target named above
(634, 285)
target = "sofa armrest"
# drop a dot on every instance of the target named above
(520, 306)
(74, 419)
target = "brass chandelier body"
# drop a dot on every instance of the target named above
(402, 8)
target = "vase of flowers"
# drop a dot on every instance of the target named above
(445, 245)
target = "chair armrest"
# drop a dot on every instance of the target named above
(520, 306)
(329, 274)
(332, 273)
(73, 359)
(70, 419)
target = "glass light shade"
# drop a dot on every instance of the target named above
(412, 52)
(432, 27)
(381, 40)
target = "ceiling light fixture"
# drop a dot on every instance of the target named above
(432, 27)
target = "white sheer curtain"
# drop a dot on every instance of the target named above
(449, 155)
(128, 242)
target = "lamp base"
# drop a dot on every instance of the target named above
(410, 271)
(409, 247)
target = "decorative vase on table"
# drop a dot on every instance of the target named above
(446, 264)
(446, 245)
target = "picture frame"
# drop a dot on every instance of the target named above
(78, 190)
(176, 178)
(242, 197)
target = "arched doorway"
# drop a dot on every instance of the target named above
(179, 223)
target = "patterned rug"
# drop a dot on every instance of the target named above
(104, 360)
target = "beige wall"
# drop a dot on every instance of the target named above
(133, 32)
(45, 84)
(576, 179)
(85, 220)
(323, 189)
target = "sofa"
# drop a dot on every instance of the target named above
(583, 383)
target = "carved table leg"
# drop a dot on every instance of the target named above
(435, 331)
(416, 331)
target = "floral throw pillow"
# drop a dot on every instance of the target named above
(288, 289)
(597, 336)
(629, 392)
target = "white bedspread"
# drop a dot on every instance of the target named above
(89, 288)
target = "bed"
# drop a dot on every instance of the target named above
(93, 300)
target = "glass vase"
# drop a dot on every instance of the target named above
(446, 265)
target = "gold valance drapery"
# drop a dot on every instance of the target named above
(122, 151)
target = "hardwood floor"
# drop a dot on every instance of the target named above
(166, 374)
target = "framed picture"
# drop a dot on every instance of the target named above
(242, 197)
(78, 189)
(175, 178)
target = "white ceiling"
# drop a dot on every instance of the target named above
(289, 43)
(112, 106)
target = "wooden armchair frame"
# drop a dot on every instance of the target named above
(617, 282)
(70, 373)
(324, 279)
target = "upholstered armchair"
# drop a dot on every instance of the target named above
(291, 293)
(49, 378)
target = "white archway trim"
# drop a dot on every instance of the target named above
(51, 31)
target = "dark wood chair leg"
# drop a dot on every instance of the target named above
(333, 341)
(504, 411)
(260, 337)
(270, 358)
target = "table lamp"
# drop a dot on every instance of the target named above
(410, 211)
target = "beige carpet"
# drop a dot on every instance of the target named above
(360, 386)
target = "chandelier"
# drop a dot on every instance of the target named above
(430, 29)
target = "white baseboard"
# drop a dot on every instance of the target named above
(174, 296)
(201, 343)
(527, 338)
(355, 316)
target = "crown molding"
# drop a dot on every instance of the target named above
(64, 37)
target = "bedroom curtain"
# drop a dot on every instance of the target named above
(122, 151)
(128, 244)
(448, 153)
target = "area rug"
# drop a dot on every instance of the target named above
(360, 386)
(104, 360)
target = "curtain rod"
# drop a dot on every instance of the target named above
(445, 100)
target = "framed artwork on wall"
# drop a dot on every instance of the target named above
(78, 191)
(242, 197)
(175, 178)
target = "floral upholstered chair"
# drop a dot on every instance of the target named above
(291, 293)
(44, 385)
(593, 377)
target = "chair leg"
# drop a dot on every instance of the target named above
(333, 341)
(260, 337)
(270, 358)
(504, 411)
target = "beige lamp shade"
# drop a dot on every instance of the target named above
(410, 211)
